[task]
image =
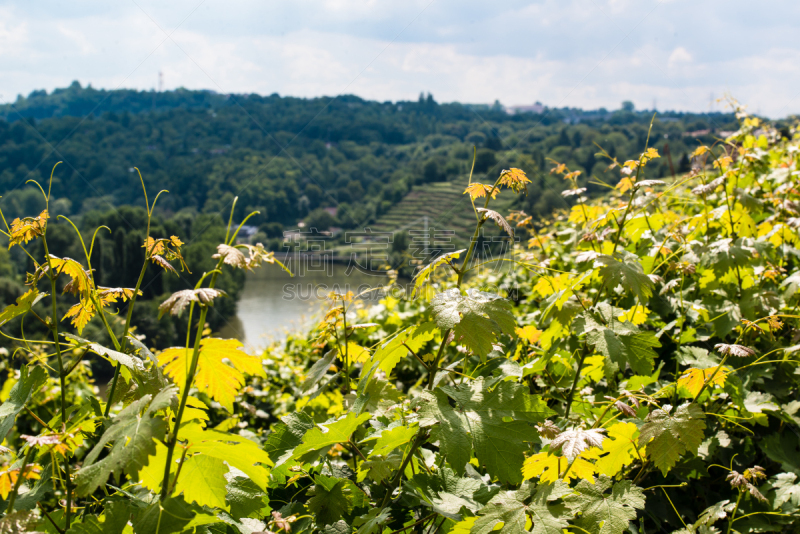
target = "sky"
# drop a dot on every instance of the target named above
(668, 54)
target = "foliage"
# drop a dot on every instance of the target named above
(650, 345)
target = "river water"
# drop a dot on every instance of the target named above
(274, 304)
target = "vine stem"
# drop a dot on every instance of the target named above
(14, 492)
(422, 435)
(710, 378)
(421, 521)
(172, 440)
(735, 509)
(128, 317)
(173, 436)
(575, 381)
(132, 300)
(61, 375)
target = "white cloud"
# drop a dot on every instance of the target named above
(679, 56)
(584, 53)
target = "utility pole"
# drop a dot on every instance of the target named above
(160, 81)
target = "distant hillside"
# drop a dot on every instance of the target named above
(290, 157)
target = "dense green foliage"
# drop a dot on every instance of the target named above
(291, 156)
(288, 157)
(634, 369)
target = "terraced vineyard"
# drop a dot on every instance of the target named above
(445, 207)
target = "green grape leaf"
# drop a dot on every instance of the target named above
(782, 448)
(332, 497)
(318, 370)
(672, 435)
(547, 519)
(499, 444)
(131, 437)
(283, 439)
(166, 517)
(42, 488)
(511, 508)
(451, 431)
(244, 497)
(714, 513)
(507, 511)
(24, 303)
(601, 513)
(115, 518)
(784, 490)
(202, 481)
(476, 318)
(380, 469)
(372, 522)
(391, 352)
(287, 435)
(30, 380)
(338, 432)
(134, 364)
(621, 342)
(627, 272)
(425, 273)
(390, 439)
(236, 451)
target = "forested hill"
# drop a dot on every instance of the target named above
(290, 157)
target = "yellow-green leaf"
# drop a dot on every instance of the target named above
(220, 381)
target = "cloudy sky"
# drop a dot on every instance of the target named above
(676, 54)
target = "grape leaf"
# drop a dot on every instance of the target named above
(672, 435)
(510, 509)
(451, 431)
(287, 435)
(115, 518)
(601, 513)
(391, 352)
(627, 272)
(505, 508)
(202, 481)
(693, 379)
(132, 363)
(337, 432)
(573, 442)
(391, 439)
(498, 219)
(475, 318)
(237, 451)
(131, 437)
(498, 444)
(220, 381)
(318, 370)
(30, 380)
(425, 273)
(24, 303)
(244, 497)
(371, 523)
(331, 497)
(621, 342)
(549, 518)
(27, 228)
(620, 449)
(548, 467)
(786, 489)
(166, 517)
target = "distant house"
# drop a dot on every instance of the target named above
(332, 211)
(247, 231)
(538, 107)
(697, 133)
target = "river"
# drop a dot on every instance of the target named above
(274, 304)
